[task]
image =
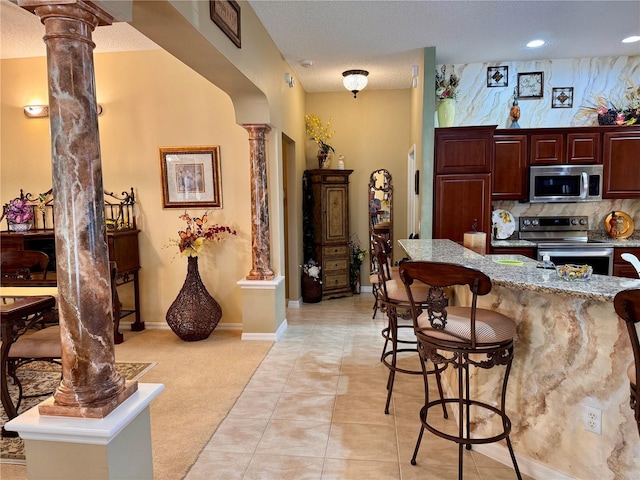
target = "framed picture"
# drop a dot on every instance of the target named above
(562, 97)
(498, 76)
(530, 85)
(191, 177)
(226, 15)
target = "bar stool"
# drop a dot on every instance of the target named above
(374, 277)
(450, 336)
(393, 298)
(627, 306)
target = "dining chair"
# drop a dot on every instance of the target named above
(627, 306)
(24, 264)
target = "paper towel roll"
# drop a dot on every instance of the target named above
(476, 241)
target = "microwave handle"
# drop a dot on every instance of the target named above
(585, 185)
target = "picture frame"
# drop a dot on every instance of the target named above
(226, 15)
(191, 177)
(530, 85)
(498, 76)
(562, 97)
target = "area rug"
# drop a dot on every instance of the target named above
(43, 377)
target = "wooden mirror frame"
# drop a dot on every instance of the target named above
(381, 188)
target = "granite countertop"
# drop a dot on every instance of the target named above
(525, 277)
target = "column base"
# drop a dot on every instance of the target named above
(115, 447)
(263, 308)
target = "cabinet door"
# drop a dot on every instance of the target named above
(583, 148)
(464, 150)
(621, 165)
(335, 214)
(547, 149)
(509, 173)
(459, 200)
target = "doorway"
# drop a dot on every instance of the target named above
(413, 182)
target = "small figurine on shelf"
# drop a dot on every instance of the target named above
(341, 162)
(514, 113)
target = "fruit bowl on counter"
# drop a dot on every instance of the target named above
(574, 273)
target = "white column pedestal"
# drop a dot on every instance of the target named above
(115, 447)
(263, 309)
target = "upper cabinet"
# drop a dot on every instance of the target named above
(510, 165)
(547, 149)
(621, 163)
(463, 150)
(577, 146)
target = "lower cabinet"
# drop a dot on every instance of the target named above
(530, 252)
(459, 201)
(622, 268)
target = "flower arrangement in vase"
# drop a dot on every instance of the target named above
(623, 112)
(446, 88)
(194, 314)
(357, 254)
(19, 214)
(321, 134)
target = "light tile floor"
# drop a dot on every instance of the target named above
(314, 409)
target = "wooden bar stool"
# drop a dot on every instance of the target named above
(456, 336)
(393, 299)
(627, 306)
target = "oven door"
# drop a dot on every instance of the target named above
(600, 258)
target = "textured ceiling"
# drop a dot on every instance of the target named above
(387, 37)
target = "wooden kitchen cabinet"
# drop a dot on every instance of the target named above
(462, 183)
(510, 164)
(330, 219)
(530, 252)
(459, 200)
(622, 268)
(547, 149)
(583, 148)
(621, 163)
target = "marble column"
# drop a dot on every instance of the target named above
(90, 386)
(260, 242)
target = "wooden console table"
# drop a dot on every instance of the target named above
(123, 249)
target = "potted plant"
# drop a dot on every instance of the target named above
(19, 214)
(311, 282)
(194, 314)
(357, 255)
(320, 134)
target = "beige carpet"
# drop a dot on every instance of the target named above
(202, 381)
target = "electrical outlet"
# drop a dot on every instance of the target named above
(593, 419)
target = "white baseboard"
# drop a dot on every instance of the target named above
(165, 326)
(271, 337)
(366, 289)
(295, 303)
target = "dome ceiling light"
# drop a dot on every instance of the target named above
(355, 80)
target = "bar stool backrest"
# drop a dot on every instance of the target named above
(627, 306)
(438, 276)
(381, 254)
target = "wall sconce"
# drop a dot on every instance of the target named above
(36, 111)
(42, 111)
(414, 76)
(289, 80)
(355, 80)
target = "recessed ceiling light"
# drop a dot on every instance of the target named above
(535, 43)
(631, 39)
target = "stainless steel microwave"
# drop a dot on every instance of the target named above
(565, 183)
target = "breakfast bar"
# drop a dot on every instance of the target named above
(572, 352)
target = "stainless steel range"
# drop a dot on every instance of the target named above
(566, 240)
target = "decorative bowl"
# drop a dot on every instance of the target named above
(574, 273)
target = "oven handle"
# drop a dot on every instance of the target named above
(575, 252)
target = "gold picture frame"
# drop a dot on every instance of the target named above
(191, 177)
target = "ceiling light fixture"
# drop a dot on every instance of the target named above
(306, 63)
(631, 39)
(355, 80)
(535, 43)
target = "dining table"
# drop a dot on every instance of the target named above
(18, 314)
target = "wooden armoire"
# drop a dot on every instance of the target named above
(329, 211)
